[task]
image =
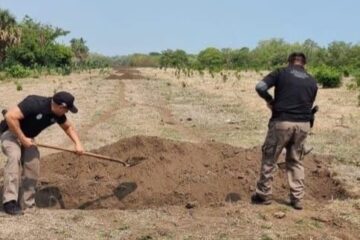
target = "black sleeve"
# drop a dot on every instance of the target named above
(316, 90)
(272, 78)
(28, 106)
(263, 86)
(262, 89)
(61, 120)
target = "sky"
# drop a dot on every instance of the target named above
(118, 27)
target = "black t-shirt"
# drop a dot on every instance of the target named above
(37, 115)
(295, 93)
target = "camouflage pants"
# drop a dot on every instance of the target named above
(20, 172)
(280, 135)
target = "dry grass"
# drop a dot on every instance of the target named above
(231, 221)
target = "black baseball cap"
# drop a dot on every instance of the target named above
(65, 99)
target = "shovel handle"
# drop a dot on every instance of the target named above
(84, 153)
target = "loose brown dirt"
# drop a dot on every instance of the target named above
(125, 73)
(169, 173)
(125, 76)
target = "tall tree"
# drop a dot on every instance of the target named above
(271, 53)
(338, 53)
(79, 48)
(177, 59)
(211, 58)
(38, 46)
(240, 58)
(10, 34)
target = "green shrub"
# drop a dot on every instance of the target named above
(357, 79)
(19, 86)
(17, 71)
(2, 76)
(328, 77)
(346, 72)
(65, 70)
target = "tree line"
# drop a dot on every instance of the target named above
(29, 48)
(266, 55)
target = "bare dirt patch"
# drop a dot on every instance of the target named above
(170, 173)
(125, 76)
(125, 73)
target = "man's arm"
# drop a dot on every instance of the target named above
(262, 89)
(264, 85)
(71, 132)
(13, 117)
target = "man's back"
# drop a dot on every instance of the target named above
(295, 93)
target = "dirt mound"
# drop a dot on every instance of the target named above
(127, 70)
(130, 76)
(125, 73)
(170, 173)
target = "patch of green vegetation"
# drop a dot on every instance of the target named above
(19, 86)
(316, 224)
(104, 235)
(266, 237)
(123, 228)
(266, 226)
(306, 224)
(262, 216)
(222, 236)
(145, 237)
(170, 133)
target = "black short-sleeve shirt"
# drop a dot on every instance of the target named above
(37, 115)
(295, 93)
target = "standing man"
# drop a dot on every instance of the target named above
(295, 93)
(22, 124)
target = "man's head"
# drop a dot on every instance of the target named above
(62, 102)
(297, 58)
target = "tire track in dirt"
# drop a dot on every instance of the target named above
(121, 103)
(166, 115)
(148, 98)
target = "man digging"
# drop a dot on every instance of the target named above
(21, 125)
(295, 93)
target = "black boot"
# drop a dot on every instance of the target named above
(297, 204)
(12, 208)
(257, 199)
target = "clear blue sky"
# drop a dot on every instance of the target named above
(116, 27)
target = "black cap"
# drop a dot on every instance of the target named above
(65, 99)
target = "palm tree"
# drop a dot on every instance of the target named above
(78, 46)
(10, 34)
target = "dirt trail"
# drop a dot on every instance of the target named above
(126, 73)
(154, 98)
(150, 99)
(119, 103)
(171, 173)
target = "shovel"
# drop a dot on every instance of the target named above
(125, 164)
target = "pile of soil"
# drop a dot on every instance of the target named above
(126, 70)
(169, 173)
(125, 73)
